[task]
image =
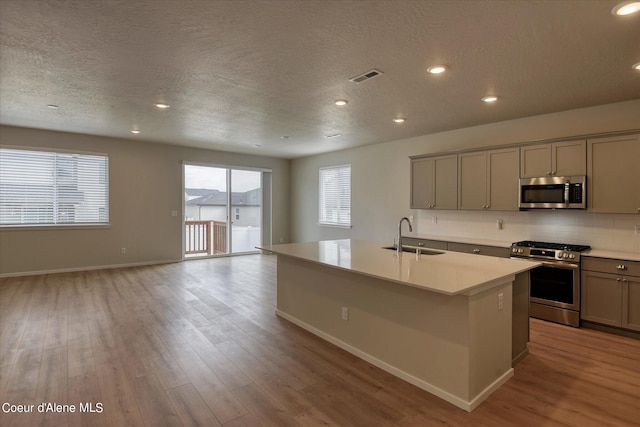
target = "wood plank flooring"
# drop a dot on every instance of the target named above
(198, 344)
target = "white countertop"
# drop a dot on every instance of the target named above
(450, 273)
(599, 253)
(603, 253)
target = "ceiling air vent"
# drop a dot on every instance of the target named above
(365, 76)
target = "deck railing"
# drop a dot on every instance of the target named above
(198, 237)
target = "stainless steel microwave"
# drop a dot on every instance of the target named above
(553, 192)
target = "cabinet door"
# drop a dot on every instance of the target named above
(422, 185)
(446, 182)
(472, 180)
(569, 158)
(631, 303)
(504, 167)
(601, 298)
(613, 174)
(535, 161)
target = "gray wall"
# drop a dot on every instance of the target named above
(145, 186)
(380, 173)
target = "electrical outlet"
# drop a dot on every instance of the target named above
(123, 251)
(637, 229)
(345, 313)
(500, 301)
(499, 224)
(174, 213)
(411, 219)
(434, 220)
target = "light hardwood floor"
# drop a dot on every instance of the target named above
(197, 343)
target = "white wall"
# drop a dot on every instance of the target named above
(145, 186)
(380, 185)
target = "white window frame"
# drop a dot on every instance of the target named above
(81, 193)
(334, 201)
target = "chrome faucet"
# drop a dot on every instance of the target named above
(399, 246)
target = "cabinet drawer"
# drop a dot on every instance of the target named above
(607, 265)
(479, 249)
(424, 243)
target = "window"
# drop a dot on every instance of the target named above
(53, 188)
(335, 196)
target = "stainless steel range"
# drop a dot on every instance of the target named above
(555, 286)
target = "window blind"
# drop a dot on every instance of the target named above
(335, 195)
(52, 188)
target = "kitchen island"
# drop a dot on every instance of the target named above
(442, 322)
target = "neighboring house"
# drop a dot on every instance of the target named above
(204, 204)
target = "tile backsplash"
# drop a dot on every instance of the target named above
(600, 231)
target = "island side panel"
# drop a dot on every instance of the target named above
(490, 323)
(520, 332)
(417, 332)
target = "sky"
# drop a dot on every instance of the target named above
(215, 178)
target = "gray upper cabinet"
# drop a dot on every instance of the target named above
(556, 159)
(434, 182)
(613, 174)
(488, 180)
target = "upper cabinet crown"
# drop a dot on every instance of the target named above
(567, 158)
(434, 182)
(613, 174)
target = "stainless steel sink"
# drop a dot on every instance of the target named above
(412, 249)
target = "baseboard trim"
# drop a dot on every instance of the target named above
(455, 400)
(90, 268)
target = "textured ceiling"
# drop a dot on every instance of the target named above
(244, 73)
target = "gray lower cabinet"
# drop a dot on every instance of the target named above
(424, 243)
(494, 251)
(610, 292)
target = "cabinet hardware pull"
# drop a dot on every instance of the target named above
(621, 267)
(420, 244)
(624, 280)
(476, 251)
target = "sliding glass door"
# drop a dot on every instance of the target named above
(222, 210)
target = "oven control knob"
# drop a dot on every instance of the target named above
(572, 256)
(514, 250)
(520, 251)
(565, 255)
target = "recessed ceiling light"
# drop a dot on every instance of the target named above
(636, 66)
(490, 98)
(437, 69)
(626, 8)
(135, 131)
(341, 102)
(285, 137)
(162, 105)
(257, 145)
(335, 135)
(53, 106)
(399, 120)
